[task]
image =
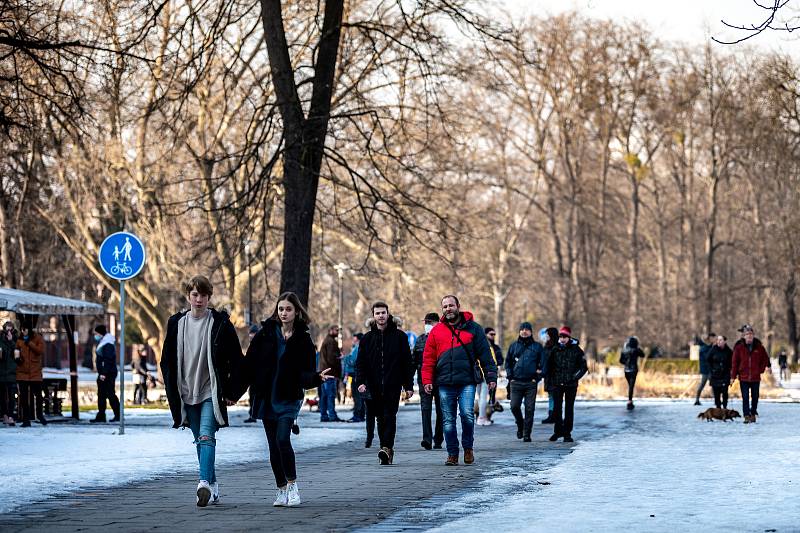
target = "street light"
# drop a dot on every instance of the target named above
(249, 316)
(340, 270)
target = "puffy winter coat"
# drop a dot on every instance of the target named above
(296, 369)
(524, 360)
(630, 358)
(498, 354)
(452, 353)
(226, 355)
(749, 362)
(565, 365)
(31, 352)
(384, 358)
(106, 360)
(719, 364)
(8, 365)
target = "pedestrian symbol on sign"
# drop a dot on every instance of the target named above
(122, 255)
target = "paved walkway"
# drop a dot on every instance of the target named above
(342, 486)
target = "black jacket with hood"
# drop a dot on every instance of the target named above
(565, 365)
(384, 358)
(296, 369)
(226, 355)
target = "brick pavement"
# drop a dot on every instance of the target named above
(343, 488)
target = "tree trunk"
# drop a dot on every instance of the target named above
(304, 137)
(789, 294)
(633, 260)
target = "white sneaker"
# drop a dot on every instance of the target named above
(203, 493)
(215, 493)
(294, 495)
(482, 421)
(281, 498)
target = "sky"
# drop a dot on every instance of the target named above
(692, 21)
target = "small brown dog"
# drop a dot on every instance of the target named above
(718, 413)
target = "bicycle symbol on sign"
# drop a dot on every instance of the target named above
(121, 268)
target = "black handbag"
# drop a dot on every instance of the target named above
(476, 368)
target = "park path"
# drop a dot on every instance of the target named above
(342, 486)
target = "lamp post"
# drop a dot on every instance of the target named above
(249, 316)
(340, 270)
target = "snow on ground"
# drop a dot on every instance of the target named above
(665, 471)
(46, 461)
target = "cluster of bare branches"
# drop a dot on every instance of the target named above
(559, 170)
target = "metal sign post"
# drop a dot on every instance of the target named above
(122, 256)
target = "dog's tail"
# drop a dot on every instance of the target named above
(701, 415)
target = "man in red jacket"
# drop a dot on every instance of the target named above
(750, 359)
(456, 358)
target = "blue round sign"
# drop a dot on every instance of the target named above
(122, 255)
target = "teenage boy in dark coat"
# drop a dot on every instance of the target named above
(383, 369)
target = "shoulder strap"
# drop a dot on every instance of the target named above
(458, 338)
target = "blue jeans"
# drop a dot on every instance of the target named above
(204, 427)
(327, 400)
(461, 398)
(749, 388)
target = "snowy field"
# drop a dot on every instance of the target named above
(46, 461)
(663, 471)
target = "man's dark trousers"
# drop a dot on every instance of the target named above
(384, 405)
(565, 395)
(429, 434)
(523, 390)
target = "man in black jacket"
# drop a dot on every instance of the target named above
(564, 367)
(524, 370)
(106, 364)
(201, 352)
(383, 369)
(426, 400)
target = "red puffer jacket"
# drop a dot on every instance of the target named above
(451, 353)
(748, 364)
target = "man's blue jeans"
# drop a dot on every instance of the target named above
(204, 428)
(327, 400)
(461, 398)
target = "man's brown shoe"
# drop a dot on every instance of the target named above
(452, 460)
(469, 457)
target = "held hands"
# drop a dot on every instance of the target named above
(324, 375)
(408, 394)
(428, 389)
(101, 377)
(229, 403)
(362, 389)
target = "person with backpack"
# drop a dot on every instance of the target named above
(630, 359)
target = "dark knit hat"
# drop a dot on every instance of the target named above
(526, 325)
(431, 317)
